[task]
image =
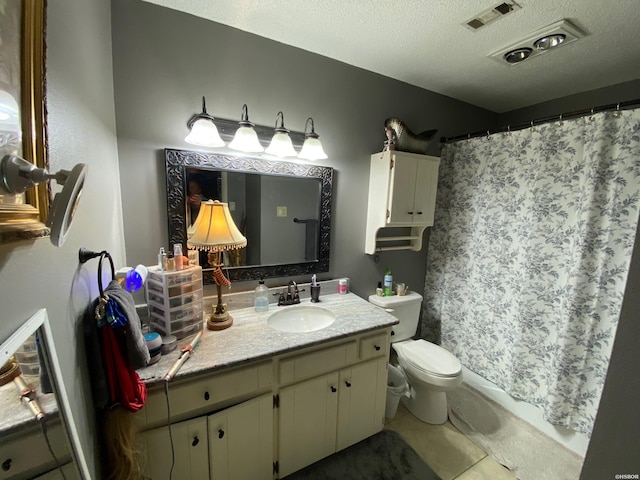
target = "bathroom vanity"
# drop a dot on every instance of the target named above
(255, 402)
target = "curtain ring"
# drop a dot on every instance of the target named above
(591, 119)
(560, 120)
(488, 135)
(509, 129)
(533, 129)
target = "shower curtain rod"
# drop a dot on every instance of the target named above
(563, 116)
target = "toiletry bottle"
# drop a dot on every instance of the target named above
(379, 290)
(162, 259)
(261, 300)
(171, 263)
(177, 255)
(388, 283)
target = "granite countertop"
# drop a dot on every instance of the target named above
(250, 338)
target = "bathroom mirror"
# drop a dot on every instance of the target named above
(22, 114)
(283, 208)
(23, 446)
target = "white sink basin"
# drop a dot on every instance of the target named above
(301, 318)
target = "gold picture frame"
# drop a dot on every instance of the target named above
(22, 77)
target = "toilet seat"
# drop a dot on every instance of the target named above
(429, 358)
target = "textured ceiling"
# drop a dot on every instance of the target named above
(424, 42)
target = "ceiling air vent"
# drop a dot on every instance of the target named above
(491, 15)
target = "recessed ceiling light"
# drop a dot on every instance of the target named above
(537, 43)
(549, 41)
(517, 55)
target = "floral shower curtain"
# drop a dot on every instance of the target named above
(528, 258)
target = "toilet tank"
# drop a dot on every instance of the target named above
(405, 308)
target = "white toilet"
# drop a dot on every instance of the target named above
(430, 369)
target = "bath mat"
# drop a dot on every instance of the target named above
(383, 456)
(510, 440)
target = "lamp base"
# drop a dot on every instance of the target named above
(214, 323)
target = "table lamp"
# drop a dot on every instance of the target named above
(214, 231)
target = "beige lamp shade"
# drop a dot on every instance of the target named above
(214, 229)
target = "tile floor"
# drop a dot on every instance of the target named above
(447, 451)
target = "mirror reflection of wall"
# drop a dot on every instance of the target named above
(263, 208)
(33, 439)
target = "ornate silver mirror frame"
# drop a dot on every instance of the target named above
(179, 161)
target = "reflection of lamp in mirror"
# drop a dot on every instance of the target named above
(281, 145)
(215, 231)
(17, 176)
(203, 130)
(246, 138)
(311, 148)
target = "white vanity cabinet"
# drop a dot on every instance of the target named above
(217, 446)
(330, 412)
(402, 194)
(190, 451)
(25, 454)
(268, 419)
(241, 441)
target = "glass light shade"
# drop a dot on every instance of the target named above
(281, 145)
(214, 229)
(204, 133)
(246, 140)
(312, 150)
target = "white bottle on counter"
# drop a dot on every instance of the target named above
(261, 300)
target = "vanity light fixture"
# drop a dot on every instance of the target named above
(203, 130)
(246, 138)
(312, 148)
(18, 175)
(281, 145)
(215, 231)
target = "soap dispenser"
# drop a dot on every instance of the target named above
(261, 300)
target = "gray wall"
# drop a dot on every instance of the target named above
(164, 61)
(81, 123)
(595, 98)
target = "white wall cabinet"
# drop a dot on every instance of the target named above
(269, 419)
(402, 195)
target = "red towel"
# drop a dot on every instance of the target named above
(125, 386)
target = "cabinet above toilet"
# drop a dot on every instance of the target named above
(402, 198)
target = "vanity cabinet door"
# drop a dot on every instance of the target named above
(361, 402)
(241, 441)
(307, 422)
(190, 448)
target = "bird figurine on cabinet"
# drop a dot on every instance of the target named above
(401, 138)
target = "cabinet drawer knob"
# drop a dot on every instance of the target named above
(220, 433)
(410, 213)
(206, 396)
(6, 465)
(196, 441)
(347, 383)
(377, 347)
(333, 389)
(419, 213)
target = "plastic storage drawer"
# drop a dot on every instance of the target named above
(159, 300)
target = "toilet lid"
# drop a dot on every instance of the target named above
(431, 358)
